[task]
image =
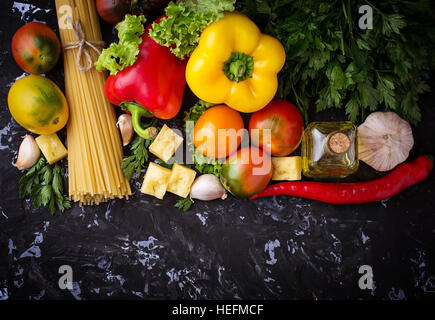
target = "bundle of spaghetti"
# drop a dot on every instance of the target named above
(94, 145)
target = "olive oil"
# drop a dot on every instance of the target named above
(329, 149)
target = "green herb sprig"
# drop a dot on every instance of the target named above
(139, 157)
(206, 164)
(333, 63)
(184, 204)
(137, 161)
(43, 183)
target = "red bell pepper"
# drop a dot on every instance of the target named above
(152, 86)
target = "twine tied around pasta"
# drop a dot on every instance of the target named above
(82, 44)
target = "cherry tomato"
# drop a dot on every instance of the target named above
(247, 172)
(218, 132)
(35, 48)
(286, 125)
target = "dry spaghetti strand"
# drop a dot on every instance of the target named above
(94, 145)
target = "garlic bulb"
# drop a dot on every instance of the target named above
(384, 140)
(126, 127)
(207, 187)
(28, 154)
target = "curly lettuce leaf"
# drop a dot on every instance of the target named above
(123, 54)
(185, 21)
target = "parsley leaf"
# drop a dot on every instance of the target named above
(332, 63)
(43, 184)
(137, 161)
(184, 204)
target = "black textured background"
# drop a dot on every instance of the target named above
(278, 248)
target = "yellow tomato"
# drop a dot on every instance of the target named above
(38, 105)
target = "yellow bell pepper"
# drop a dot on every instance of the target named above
(234, 63)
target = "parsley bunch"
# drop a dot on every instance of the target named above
(332, 63)
(43, 183)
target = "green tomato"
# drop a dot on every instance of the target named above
(247, 172)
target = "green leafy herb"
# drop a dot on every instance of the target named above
(206, 164)
(196, 111)
(184, 204)
(43, 183)
(332, 63)
(202, 163)
(123, 54)
(137, 161)
(181, 29)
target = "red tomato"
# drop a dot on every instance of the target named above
(35, 48)
(247, 172)
(113, 11)
(218, 132)
(286, 125)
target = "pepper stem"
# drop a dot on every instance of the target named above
(239, 67)
(137, 112)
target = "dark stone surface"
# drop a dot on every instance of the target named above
(279, 248)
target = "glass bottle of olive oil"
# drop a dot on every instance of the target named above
(329, 149)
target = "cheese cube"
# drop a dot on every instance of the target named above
(286, 168)
(181, 180)
(165, 144)
(51, 147)
(156, 180)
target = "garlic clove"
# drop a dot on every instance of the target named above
(126, 128)
(207, 187)
(384, 140)
(28, 153)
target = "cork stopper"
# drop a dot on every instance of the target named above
(337, 143)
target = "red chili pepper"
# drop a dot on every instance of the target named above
(400, 178)
(152, 86)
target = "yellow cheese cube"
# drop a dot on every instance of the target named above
(165, 144)
(286, 168)
(156, 180)
(181, 180)
(51, 147)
